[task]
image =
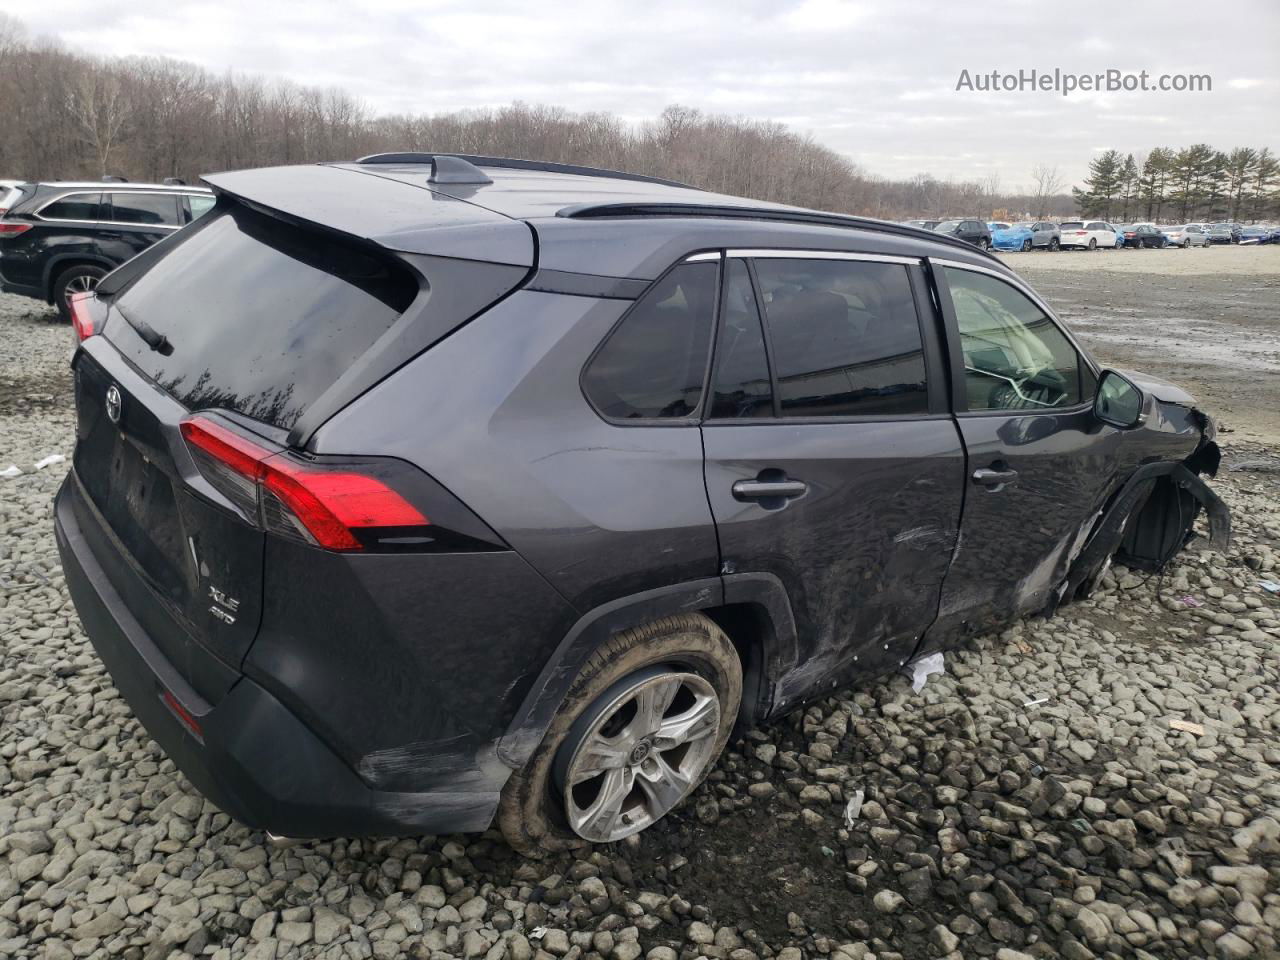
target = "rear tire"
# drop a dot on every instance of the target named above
(1026, 246)
(73, 280)
(1093, 244)
(535, 808)
(1054, 244)
(984, 244)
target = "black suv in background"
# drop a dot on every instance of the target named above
(418, 491)
(970, 231)
(59, 239)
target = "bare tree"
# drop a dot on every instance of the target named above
(99, 108)
(1048, 183)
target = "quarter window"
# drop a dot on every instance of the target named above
(652, 365)
(78, 206)
(150, 209)
(844, 337)
(197, 206)
(1015, 356)
(742, 386)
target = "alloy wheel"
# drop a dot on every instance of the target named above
(76, 285)
(643, 746)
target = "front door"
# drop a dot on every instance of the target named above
(831, 461)
(1040, 464)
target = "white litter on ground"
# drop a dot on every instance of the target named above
(49, 461)
(924, 668)
(853, 808)
(10, 471)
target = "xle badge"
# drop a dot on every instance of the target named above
(224, 607)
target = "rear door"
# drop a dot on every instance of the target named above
(1040, 463)
(831, 462)
(135, 220)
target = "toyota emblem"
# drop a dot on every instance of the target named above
(113, 403)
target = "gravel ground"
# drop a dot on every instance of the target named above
(1037, 800)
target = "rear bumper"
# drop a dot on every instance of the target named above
(255, 759)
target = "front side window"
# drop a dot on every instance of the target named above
(152, 209)
(652, 365)
(78, 206)
(844, 336)
(1015, 356)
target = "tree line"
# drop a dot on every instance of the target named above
(68, 115)
(1195, 183)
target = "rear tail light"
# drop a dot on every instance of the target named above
(11, 228)
(83, 320)
(341, 506)
(1081, 233)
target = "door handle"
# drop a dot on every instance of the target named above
(768, 489)
(994, 477)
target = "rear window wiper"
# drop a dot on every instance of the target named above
(153, 338)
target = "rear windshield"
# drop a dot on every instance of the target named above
(1072, 224)
(261, 317)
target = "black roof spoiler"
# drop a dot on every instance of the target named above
(586, 211)
(511, 163)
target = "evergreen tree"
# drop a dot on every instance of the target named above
(1128, 186)
(1239, 175)
(1101, 186)
(1153, 185)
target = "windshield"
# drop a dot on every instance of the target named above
(947, 225)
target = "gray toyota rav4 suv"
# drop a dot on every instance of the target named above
(421, 492)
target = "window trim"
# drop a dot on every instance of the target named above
(37, 214)
(959, 400)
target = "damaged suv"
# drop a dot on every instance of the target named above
(421, 492)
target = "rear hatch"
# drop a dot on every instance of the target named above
(208, 359)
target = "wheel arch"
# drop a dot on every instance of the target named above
(64, 261)
(752, 609)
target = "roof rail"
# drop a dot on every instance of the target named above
(514, 163)
(586, 211)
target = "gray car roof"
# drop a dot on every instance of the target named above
(575, 215)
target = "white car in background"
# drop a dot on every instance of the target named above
(1187, 235)
(1087, 234)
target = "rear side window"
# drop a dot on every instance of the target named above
(844, 336)
(261, 317)
(155, 209)
(197, 206)
(652, 365)
(79, 206)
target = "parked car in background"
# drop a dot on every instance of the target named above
(1259, 234)
(60, 239)
(1187, 235)
(1087, 235)
(11, 192)
(970, 231)
(1005, 236)
(1224, 233)
(922, 224)
(1044, 234)
(408, 502)
(1141, 236)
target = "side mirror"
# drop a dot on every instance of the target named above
(1118, 402)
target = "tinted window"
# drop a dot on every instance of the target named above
(844, 337)
(1095, 226)
(653, 364)
(1015, 357)
(197, 206)
(1072, 225)
(742, 387)
(262, 317)
(79, 206)
(145, 208)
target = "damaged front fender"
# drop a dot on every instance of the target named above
(1149, 520)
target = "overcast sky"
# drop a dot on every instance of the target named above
(873, 80)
